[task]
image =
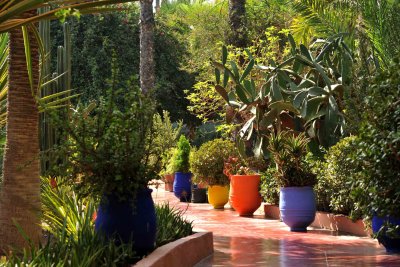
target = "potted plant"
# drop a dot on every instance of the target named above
(182, 182)
(109, 153)
(244, 194)
(377, 183)
(207, 165)
(199, 187)
(297, 200)
(167, 173)
(165, 140)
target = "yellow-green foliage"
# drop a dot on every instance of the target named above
(207, 163)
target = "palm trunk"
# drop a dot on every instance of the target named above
(147, 76)
(158, 6)
(20, 192)
(237, 22)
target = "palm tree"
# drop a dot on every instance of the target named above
(20, 191)
(147, 75)
(237, 21)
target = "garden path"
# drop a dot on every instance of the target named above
(256, 241)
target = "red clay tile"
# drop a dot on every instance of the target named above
(256, 241)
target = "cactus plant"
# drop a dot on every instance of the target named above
(62, 78)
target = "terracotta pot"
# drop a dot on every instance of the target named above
(218, 196)
(244, 195)
(169, 182)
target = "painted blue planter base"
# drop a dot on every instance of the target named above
(183, 186)
(126, 222)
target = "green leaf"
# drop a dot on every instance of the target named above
(217, 75)
(313, 105)
(276, 91)
(292, 44)
(317, 91)
(247, 70)
(304, 60)
(321, 71)
(226, 78)
(235, 69)
(224, 55)
(265, 89)
(280, 105)
(299, 98)
(241, 94)
(304, 51)
(232, 99)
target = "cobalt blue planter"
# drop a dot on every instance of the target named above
(297, 207)
(392, 245)
(129, 220)
(183, 186)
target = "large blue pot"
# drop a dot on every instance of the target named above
(392, 245)
(129, 220)
(183, 186)
(297, 207)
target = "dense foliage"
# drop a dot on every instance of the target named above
(181, 156)
(104, 40)
(109, 149)
(378, 154)
(207, 163)
(269, 188)
(72, 240)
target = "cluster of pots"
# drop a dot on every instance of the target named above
(297, 208)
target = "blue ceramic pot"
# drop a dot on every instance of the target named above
(129, 220)
(392, 245)
(183, 186)
(297, 207)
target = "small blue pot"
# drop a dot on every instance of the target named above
(183, 186)
(297, 207)
(392, 245)
(129, 220)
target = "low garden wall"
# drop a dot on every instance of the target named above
(185, 252)
(334, 222)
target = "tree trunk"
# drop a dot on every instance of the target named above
(237, 22)
(157, 6)
(147, 76)
(20, 191)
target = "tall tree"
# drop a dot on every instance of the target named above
(158, 5)
(237, 22)
(147, 75)
(20, 191)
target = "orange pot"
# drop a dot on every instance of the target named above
(244, 195)
(169, 182)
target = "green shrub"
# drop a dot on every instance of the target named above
(321, 188)
(108, 148)
(338, 172)
(165, 139)
(181, 156)
(378, 154)
(207, 163)
(269, 188)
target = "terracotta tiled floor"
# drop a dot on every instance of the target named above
(256, 241)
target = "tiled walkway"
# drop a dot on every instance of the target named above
(241, 241)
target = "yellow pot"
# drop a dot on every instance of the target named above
(218, 196)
